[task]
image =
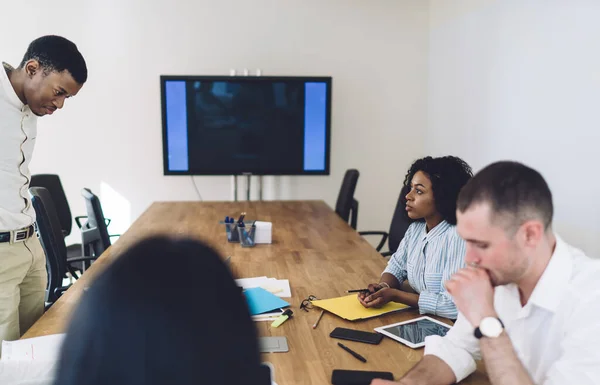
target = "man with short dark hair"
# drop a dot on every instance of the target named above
(51, 71)
(528, 302)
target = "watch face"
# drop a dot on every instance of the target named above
(490, 327)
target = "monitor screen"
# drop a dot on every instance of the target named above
(236, 125)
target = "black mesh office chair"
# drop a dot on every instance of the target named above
(347, 206)
(398, 228)
(53, 243)
(52, 183)
(94, 233)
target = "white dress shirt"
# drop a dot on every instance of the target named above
(556, 335)
(18, 128)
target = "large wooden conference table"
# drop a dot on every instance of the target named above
(312, 247)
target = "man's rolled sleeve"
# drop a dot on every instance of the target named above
(458, 348)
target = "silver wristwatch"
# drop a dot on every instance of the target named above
(490, 327)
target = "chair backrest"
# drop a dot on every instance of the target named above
(399, 224)
(51, 238)
(95, 228)
(52, 183)
(345, 200)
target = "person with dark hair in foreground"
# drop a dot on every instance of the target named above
(52, 70)
(136, 326)
(528, 302)
(431, 250)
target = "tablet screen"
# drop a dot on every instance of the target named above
(415, 332)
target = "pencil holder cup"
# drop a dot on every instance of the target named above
(232, 232)
(246, 235)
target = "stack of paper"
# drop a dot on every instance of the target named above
(44, 348)
(279, 287)
(30, 362)
(272, 316)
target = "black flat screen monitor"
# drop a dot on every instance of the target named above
(232, 125)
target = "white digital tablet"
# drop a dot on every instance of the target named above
(413, 332)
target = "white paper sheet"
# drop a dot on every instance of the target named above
(248, 283)
(28, 372)
(279, 287)
(44, 348)
(267, 316)
(31, 361)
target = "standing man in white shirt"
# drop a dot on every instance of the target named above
(528, 303)
(51, 71)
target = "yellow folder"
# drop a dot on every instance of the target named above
(348, 307)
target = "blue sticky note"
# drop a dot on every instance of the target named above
(261, 301)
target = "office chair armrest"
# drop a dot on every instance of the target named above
(60, 290)
(384, 237)
(78, 220)
(354, 214)
(386, 253)
(72, 270)
(79, 224)
(81, 259)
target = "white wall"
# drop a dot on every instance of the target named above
(520, 80)
(108, 138)
(482, 79)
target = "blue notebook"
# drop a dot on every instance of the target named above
(261, 301)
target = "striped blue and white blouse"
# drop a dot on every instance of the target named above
(427, 259)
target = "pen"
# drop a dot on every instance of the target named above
(358, 291)
(318, 319)
(356, 355)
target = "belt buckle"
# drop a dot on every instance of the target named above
(20, 236)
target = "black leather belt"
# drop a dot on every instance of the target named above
(19, 235)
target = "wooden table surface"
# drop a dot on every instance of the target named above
(312, 247)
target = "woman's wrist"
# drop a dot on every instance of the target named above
(389, 281)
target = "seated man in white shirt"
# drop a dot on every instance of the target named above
(528, 302)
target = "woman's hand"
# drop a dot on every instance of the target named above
(373, 287)
(379, 297)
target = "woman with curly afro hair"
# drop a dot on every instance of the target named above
(431, 250)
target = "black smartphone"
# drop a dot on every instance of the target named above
(265, 374)
(356, 335)
(357, 377)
